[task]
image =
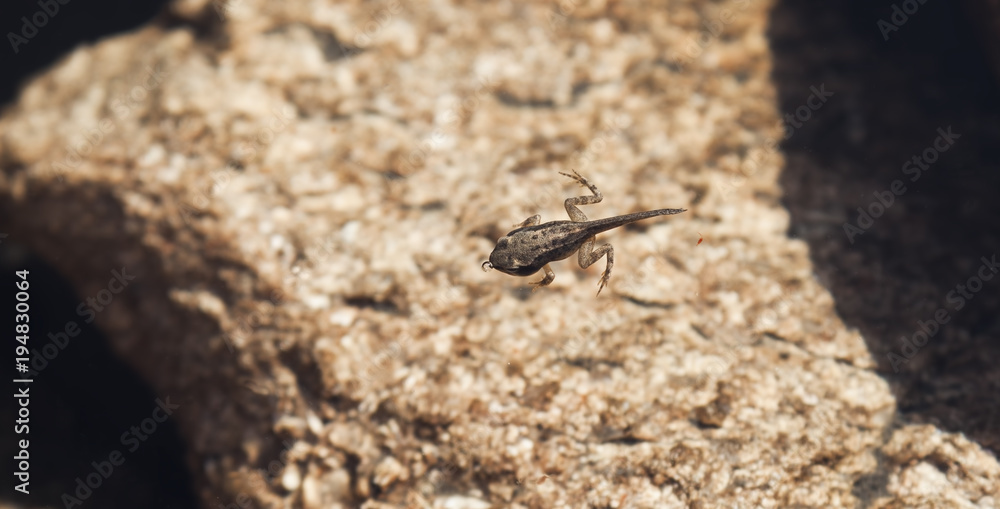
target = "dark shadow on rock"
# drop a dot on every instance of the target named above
(84, 399)
(40, 32)
(87, 410)
(893, 275)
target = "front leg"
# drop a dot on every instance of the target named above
(550, 276)
(531, 221)
(588, 256)
(574, 213)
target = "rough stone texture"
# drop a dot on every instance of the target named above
(305, 191)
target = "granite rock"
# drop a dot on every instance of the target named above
(306, 190)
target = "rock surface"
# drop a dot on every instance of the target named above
(305, 192)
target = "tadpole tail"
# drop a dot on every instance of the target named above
(614, 222)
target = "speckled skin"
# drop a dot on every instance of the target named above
(532, 246)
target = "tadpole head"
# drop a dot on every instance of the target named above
(506, 258)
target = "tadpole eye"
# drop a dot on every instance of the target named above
(485, 268)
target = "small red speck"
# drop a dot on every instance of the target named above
(542, 479)
(700, 238)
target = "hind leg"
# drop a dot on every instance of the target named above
(588, 256)
(574, 213)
